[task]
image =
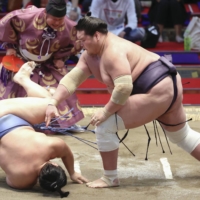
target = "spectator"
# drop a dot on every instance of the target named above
(37, 3)
(73, 11)
(26, 3)
(14, 5)
(114, 13)
(138, 7)
(168, 13)
(86, 5)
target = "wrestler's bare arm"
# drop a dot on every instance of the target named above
(61, 92)
(67, 86)
(82, 63)
(61, 150)
(116, 64)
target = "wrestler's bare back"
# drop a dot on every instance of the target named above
(119, 57)
(22, 154)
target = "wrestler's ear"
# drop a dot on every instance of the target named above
(97, 35)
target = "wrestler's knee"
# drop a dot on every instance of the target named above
(186, 138)
(107, 139)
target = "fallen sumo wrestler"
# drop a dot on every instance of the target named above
(26, 154)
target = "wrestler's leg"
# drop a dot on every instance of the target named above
(32, 109)
(108, 144)
(182, 135)
(110, 179)
(139, 110)
(22, 77)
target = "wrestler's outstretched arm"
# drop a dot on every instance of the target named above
(67, 86)
(119, 70)
(62, 150)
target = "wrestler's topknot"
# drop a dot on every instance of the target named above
(53, 178)
(91, 24)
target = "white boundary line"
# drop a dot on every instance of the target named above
(166, 168)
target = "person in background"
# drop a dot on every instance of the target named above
(114, 13)
(73, 11)
(86, 5)
(37, 3)
(168, 13)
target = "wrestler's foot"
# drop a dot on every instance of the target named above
(24, 72)
(104, 182)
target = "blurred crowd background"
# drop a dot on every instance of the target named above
(137, 15)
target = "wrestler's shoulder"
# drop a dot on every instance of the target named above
(55, 141)
(84, 57)
(114, 51)
(119, 45)
(87, 57)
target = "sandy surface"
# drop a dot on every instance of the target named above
(178, 178)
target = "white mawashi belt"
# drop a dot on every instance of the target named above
(29, 56)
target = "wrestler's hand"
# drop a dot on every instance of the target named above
(100, 116)
(10, 52)
(51, 112)
(58, 63)
(76, 177)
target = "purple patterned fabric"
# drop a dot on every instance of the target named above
(27, 29)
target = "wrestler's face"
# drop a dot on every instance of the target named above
(89, 43)
(55, 22)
